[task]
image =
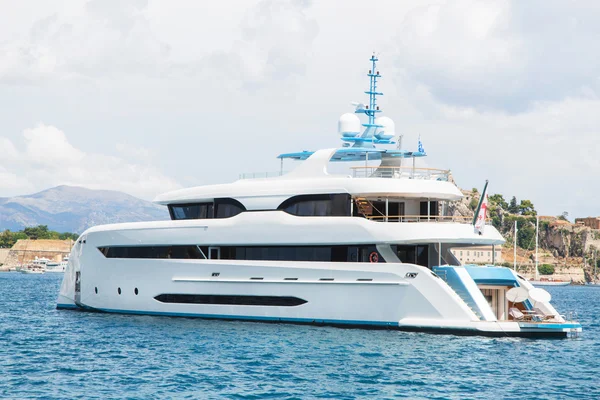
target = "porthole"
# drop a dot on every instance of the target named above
(96, 290)
(136, 291)
(119, 290)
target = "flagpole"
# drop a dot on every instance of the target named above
(537, 234)
(480, 202)
(515, 247)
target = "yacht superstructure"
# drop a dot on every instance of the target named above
(366, 249)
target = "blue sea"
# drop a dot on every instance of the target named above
(51, 354)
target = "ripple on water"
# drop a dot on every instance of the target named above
(45, 353)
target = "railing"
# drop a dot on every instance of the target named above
(259, 175)
(424, 218)
(373, 172)
(401, 173)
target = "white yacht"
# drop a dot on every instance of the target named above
(57, 267)
(37, 266)
(368, 249)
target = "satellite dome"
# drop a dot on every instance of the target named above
(388, 129)
(349, 125)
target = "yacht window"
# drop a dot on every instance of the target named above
(225, 208)
(220, 208)
(433, 208)
(346, 253)
(327, 205)
(413, 254)
(191, 211)
(175, 252)
(302, 253)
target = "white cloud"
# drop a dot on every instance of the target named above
(48, 159)
(273, 44)
(501, 89)
(108, 38)
(502, 54)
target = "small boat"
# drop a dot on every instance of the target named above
(57, 267)
(37, 266)
(32, 271)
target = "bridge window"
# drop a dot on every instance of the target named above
(219, 208)
(326, 205)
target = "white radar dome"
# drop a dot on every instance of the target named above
(388, 129)
(349, 125)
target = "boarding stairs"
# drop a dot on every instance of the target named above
(466, 289)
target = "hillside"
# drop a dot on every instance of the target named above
(74, 209)
(561, 243)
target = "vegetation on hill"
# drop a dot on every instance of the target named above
(9, 238)
(504, 214)
(546, 269)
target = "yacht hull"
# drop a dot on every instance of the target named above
(397, 296)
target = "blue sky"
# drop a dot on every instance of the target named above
(148, 96)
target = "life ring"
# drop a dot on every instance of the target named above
(374, 257)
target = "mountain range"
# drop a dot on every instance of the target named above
(74, 209)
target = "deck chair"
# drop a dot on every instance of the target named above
(516, 314)
(540, 315)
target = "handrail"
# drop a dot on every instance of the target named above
(424, 218)
(259, 175)
(400, 172)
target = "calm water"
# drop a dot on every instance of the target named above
(45, 353)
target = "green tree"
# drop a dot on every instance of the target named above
(474, 203)
(546, 269)
(37, 232)
(513, 207)
(68, 235)
(564, 216)
(8, 238)
(498, 199)
(526, 236)
(526, 208)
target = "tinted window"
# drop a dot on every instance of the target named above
(191, 211)
(328, 205)
(221, 208)
(360, 253)
(176, 252)
(225, 208)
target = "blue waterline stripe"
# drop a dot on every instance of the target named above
(551, 326)
(291, 320)
(66, 306)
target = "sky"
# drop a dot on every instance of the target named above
(147, 96)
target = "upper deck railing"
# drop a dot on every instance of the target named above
(373, 172)
(401, 173)
(259, 175)
(425, 218)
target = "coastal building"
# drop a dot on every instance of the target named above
(27, 250)
(478, 254)
(590, 222)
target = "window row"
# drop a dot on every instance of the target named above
(325, 205)
(346, 253)
(219, 208)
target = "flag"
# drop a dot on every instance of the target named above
(421, 149)
(481, 213)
